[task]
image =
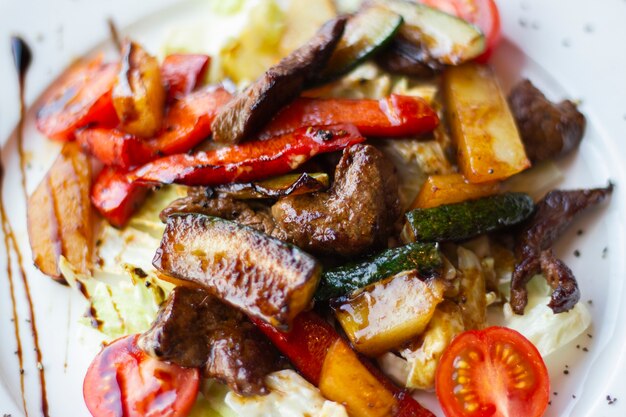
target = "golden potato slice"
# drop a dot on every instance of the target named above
(385, 315)
(59, 214)
(488, 143)
(449, 189)
(346, 380)
(138, 93)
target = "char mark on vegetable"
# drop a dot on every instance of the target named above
(534, 242)
(247, 112)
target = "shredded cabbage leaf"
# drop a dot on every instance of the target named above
(546, 330)
(118, 305)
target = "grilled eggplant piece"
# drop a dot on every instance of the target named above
(460, 221)
(59, 214)
(195, 329)
(247, 112)
(291, 184)
(421, 257)
(263, 276)
(548, 129)
(554, 214)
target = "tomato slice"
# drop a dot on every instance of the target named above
(492, 372)
(123, 381)
(482, 13)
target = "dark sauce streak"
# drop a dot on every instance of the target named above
(16, 325)
(22, 58)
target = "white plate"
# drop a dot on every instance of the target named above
(567, 47)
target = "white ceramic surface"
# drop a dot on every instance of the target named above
(568, 47)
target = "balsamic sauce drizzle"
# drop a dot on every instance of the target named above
(22, 58)
(16, 321)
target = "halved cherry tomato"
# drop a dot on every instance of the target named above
(123, 381)
(492, 372)
(82, 95)
(482, 13)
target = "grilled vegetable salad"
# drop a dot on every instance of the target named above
(313, 215)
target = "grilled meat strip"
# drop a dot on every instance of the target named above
(196, 330)
(554, 214)
(250, 110)
(548, 129)
(355, 215)
(202, 200)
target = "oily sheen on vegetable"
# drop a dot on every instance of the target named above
(263, 276)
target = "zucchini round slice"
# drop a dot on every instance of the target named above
(448, 39)
(365, 33)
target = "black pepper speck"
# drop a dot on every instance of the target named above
(577, 253)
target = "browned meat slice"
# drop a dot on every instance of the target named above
(194, 329)
(407, 58)
(250, 110)
(547, 129)
(533, 248)
(355, 215)
(201, 200)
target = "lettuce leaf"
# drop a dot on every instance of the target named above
(118, 305)
(547, 331)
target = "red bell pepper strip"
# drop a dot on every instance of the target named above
(80, 96)
(388, 117)
(186, 124)
(117, 194)
(249, 161)
(115, 197)
(188, 121)
(114, 147)
(182, 73)
(306, 346)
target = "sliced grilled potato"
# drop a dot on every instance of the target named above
(385, 315)
(59, 214)
(489, 146)
(138, 93)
